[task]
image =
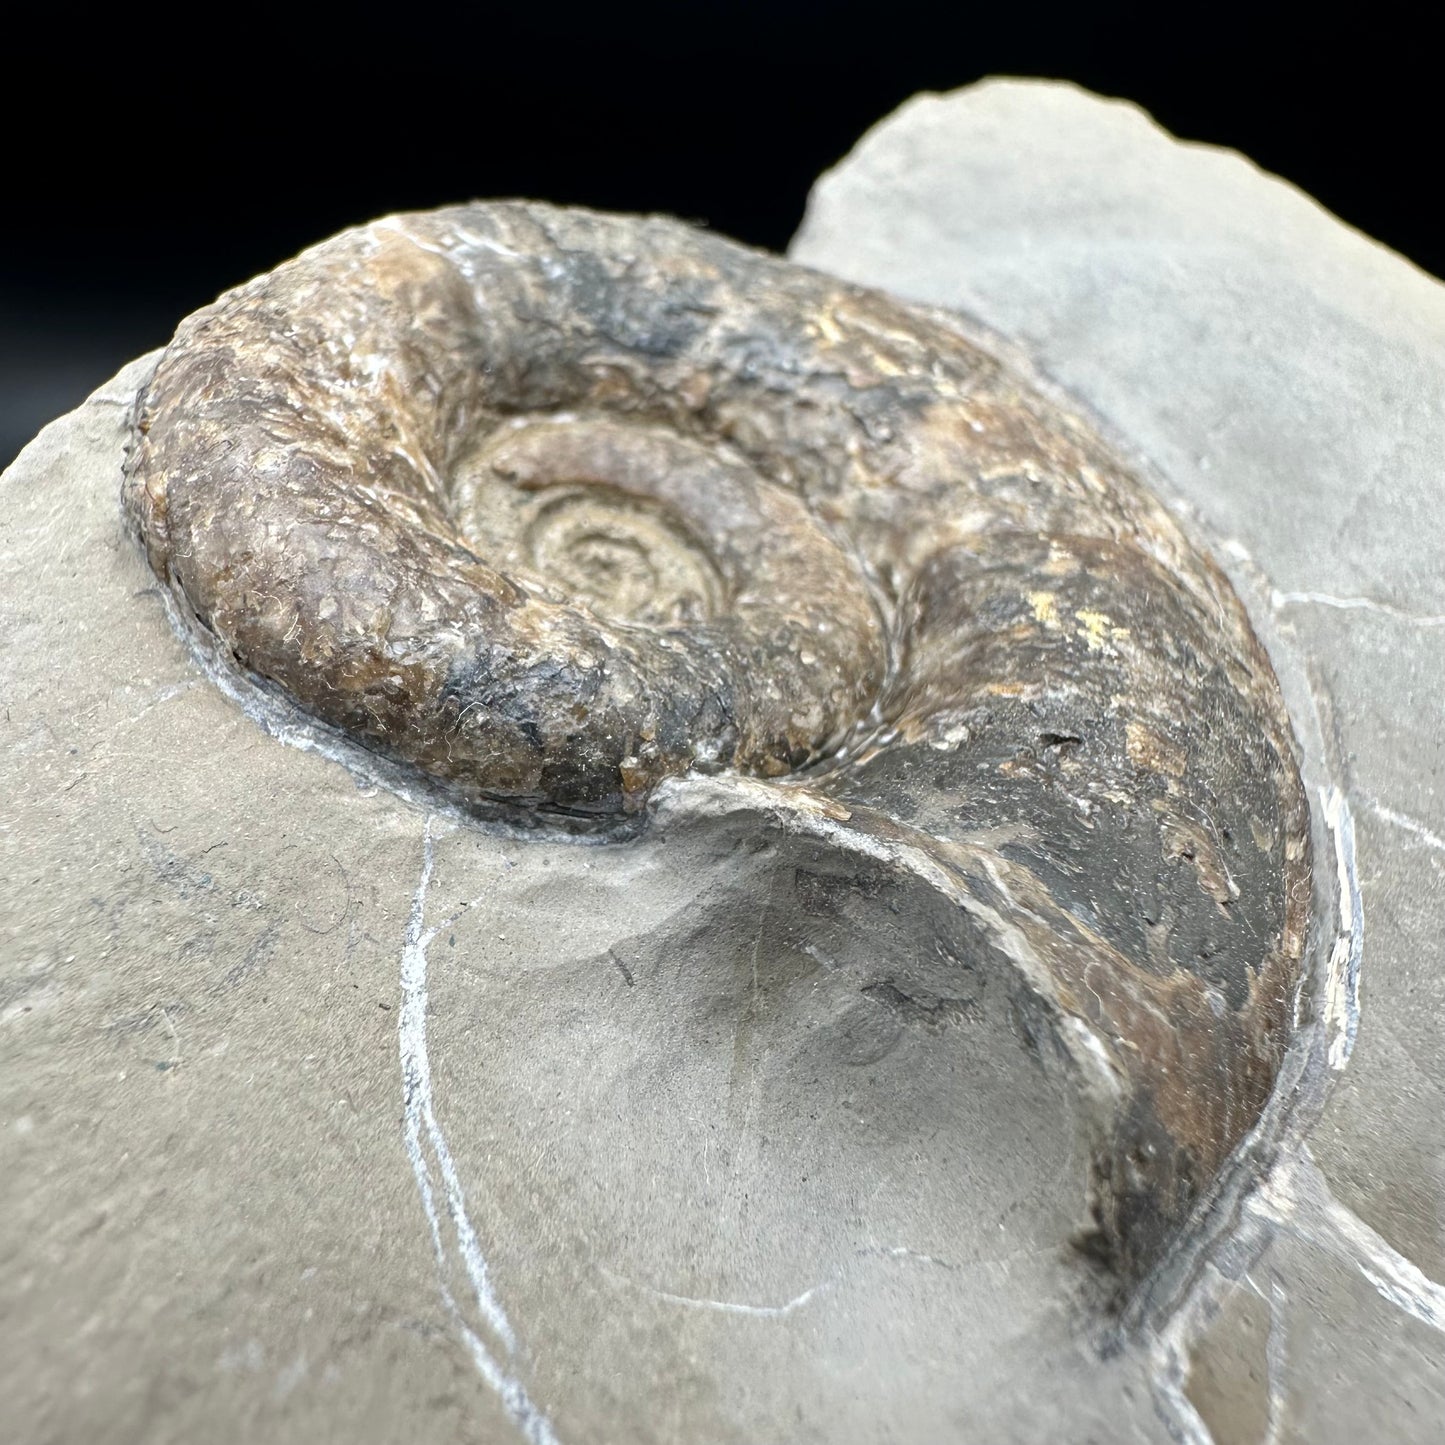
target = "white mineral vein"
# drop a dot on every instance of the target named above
(421, 1130)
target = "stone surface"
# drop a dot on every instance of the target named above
(1283, 375)
(326, 1116)
(312, 1097)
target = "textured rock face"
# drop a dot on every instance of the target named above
(284, 1050)
(1284, 375)
(287, 1052)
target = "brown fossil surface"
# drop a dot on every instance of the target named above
(554, 505)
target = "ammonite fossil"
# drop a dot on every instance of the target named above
(554, 505)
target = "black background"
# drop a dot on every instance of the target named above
(152, 162)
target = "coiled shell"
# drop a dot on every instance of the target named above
(554, 505)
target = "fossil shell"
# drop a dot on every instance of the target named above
(554, 505)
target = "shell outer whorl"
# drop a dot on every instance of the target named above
(553, 505)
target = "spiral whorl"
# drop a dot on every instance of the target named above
(554, 505)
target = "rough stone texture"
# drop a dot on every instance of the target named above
(717, 1192)
(716, 1187)
(1284, 375)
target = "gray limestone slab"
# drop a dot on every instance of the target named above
(328, 1114)
(1282, 377)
